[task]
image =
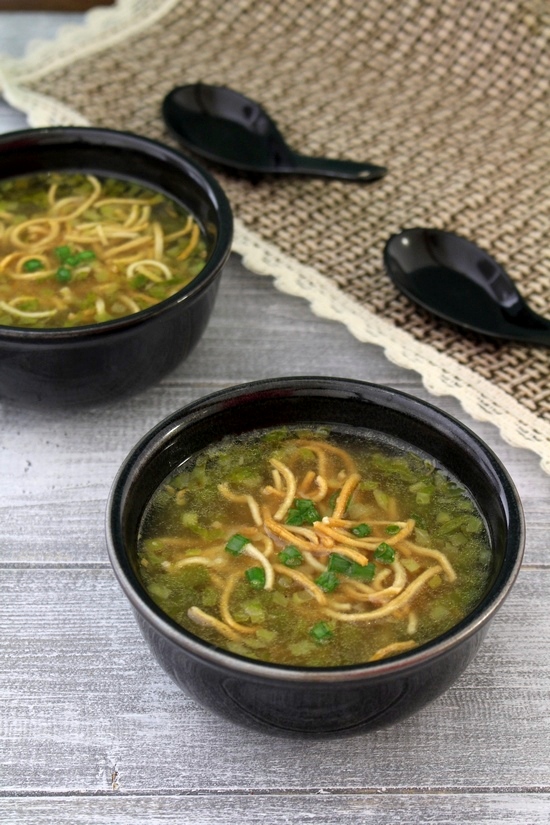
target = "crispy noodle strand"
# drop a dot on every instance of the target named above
(393, 649)
(224, 607)
(404, 597)
(290, 495)
(302, 579)
(345, 494)
(200, 617)
(243, 498)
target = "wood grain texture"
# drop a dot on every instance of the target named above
(84, 701)
(84, 695)
(283, 809)
(92, 732)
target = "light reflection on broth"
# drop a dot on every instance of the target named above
(313, 548)
(78, 249)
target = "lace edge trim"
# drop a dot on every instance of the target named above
(102, 27)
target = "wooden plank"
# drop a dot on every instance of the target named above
(283, 809)
(86, 699)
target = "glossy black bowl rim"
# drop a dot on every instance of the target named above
(97, 136)
(137, 460)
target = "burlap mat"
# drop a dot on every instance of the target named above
(452, 97)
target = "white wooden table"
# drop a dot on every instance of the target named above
(92, 731)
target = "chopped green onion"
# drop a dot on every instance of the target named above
(303, 512)
(321, 632)
(63, 252)
(33, 265)
(63, 275)
(139, 281)
(393, 529)
(291, 556)
(339, 564)
(364, 572)
(236, 544)
(85, 255)
(361, 530)
(256, 577)
(327, 581)
(384, 553)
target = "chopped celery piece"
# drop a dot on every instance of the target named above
(301, 648)
(254, 611)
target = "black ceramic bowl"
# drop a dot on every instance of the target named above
(96, 363)
(308, 701)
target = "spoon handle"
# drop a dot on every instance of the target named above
(542, 338)
(339, 169)
(538, 333)
(526, 325)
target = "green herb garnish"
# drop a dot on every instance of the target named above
(303, 511)
(361, 530)
(327, 581)
(236, 544)
(256, 577)
(341, 564)
(384, 553)
(63, 275)
(63, 252)
(33, 265)
(321, 632)
(363, 572)
(291, 556)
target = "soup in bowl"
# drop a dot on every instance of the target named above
(314, 556)
(111, 249)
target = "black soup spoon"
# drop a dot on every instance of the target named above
(459, 282)
(230, 129)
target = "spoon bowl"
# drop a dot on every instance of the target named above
(459, 282)
(228, 128)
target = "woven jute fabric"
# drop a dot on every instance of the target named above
(452, 97)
